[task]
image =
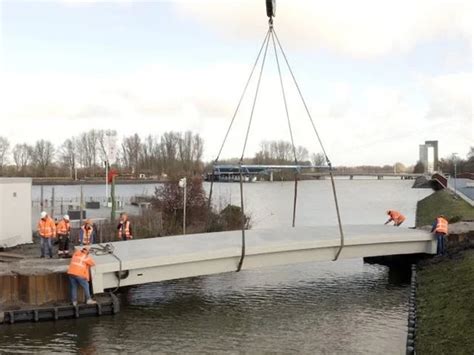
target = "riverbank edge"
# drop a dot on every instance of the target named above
(445, 285)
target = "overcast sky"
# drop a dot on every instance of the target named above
(380, 76)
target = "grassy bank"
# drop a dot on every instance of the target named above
(445, 305)
(442, 202)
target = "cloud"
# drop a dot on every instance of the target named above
(362, 29)
(449, 96)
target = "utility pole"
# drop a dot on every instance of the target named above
(106, 183)
(112, 198)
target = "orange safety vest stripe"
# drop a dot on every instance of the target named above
(63, 227)
(80, 264)
(125, 227)
(46, 228)
(86, 235)
(441, 226)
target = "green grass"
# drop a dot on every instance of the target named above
(442, 202)
(445, 306)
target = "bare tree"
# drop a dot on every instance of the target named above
(43, 156)
(318, 159)
(68, 155)
(22, 154)
(4, 147)
(131, 150)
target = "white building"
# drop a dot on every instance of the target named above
(15, 211)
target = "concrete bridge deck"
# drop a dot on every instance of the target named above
(166, 258)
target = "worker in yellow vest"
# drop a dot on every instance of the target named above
(79, 274)
(87, 233)
(124, 228)
(46, 231)
(440, 229)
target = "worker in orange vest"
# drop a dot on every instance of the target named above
(46, 231)
(124, 228)
(440, 229)
(396, 217)
(79, 274)
(63, 229)
(86, 235)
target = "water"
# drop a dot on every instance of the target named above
(344, 307)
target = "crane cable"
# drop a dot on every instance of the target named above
(242, 212)
(230, 125)
(271, 33)
(341, 232)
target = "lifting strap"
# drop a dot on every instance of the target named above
(270, 6)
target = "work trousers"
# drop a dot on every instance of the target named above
(46, 246)
(440, 250)
(63, 247)
(75, 281)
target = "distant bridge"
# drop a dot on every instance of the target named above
(157, 259)
(379, 176)
(231, 172)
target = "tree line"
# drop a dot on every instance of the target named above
(170, 155)
(86, 154)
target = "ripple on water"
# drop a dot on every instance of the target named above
(344, 307)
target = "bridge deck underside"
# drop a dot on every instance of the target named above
(166, 258)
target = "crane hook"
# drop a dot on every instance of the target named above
(271, 8)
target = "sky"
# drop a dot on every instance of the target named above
(379, 76)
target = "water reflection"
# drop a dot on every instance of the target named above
(343, 307)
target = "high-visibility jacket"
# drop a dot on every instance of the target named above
(80, 264)
(46, 228)
(397, 217)
(441, 225)
(124, 229)
(86, 235)
(63, 227)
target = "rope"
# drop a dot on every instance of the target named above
(341, 232)
(230, 126)
(242, 213)
(255, 97)
(289, 125)
(108, 249)
(242, 216)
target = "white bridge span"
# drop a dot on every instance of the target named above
(167, 258)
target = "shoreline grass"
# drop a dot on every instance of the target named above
(445, 305)
(442, 202)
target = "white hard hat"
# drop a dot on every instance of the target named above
(66, 217)
(43, 214)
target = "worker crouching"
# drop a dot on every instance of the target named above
(79, 274)
(396, 217)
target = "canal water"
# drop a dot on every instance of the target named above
(344, 307)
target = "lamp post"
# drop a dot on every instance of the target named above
(455, 173)
(182, 184)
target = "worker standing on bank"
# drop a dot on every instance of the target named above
(124, 227)
(63, 229)
(79, 274)
(86, 234)
(440, 229)
(396, 217)
(46, 231)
